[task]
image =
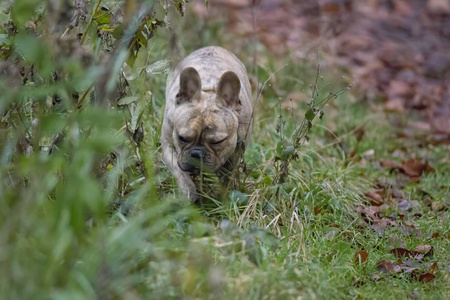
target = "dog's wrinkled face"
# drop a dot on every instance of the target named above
(205, 123)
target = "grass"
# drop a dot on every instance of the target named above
(100, 218)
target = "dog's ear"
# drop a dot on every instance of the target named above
(228, 90)
(190, 86)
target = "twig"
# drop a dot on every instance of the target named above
(80, 102)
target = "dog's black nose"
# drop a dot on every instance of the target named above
(198, 153)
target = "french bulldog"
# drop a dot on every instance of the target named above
(208, 116)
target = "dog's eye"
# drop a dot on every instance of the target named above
(218, 142)
(182, 139)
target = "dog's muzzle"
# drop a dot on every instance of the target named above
(195, 161)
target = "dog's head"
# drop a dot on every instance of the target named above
(206, 123)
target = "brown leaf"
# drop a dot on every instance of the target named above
(409, 228)
(375, 196)
(361, 257)
(369, 213)
(391, 164)
(380, 225)
(437, 205)
(388, 267)
(396, 104)
(426, 277)
(427, 201)
(317, 210)
(434, 268)
(398, 89)
(414, 167)
(426, 250)
(435, 235)
(401, 252)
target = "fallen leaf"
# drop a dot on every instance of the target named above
(368, 154)
(361, 257)
(375, 277)
(434, 268)
(409, 228)
(419, 126)
(435, 235)
(443, 216)
(426, 277)
(376, 199)
(414, 167)
(426, 250)
(404, 205)
(398, 89)
(417, 215)
(438, 6)
(410, 270)
(401, 252)
(395, 105)
(437, 205)
(317, 211)
(391, 164)
(394, 241)
(427, 201)
(369, 213)
(380, 225)
(386, 266)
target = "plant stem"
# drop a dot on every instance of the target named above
(90, 21)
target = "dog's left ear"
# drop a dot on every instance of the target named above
(228, 90)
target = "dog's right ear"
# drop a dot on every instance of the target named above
(190, 86)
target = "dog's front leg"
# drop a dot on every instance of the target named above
(184, 181)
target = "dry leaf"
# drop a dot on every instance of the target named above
(375, 195)
(361, 257)
(426, 277)
(401, 252)
(386, 266)
(426, 250)
(414, 167)
(434, 268)
(414, 295)
(404, 205)
(391, 164)
(380, 225)
(437, 205)
(375, 277)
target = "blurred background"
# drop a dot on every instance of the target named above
(395, 51)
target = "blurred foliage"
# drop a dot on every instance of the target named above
(83, 213)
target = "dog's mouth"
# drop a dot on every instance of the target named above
(195, 167)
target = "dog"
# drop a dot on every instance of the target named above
(208, 116)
